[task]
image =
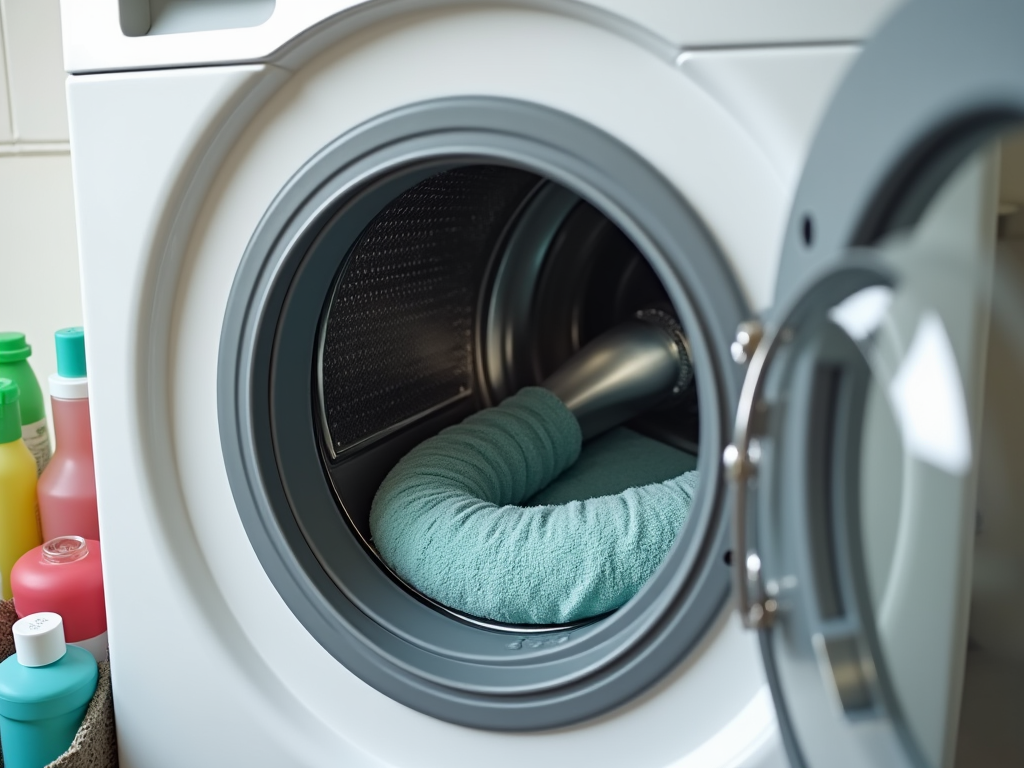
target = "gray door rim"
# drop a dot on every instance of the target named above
(605, 666)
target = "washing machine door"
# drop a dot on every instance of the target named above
(879, 534)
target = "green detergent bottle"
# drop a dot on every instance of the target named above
(14, 354)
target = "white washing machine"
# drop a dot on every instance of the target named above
(315, 233)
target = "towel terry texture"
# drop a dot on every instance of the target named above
(447, 519)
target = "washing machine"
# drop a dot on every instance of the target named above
(314, 234)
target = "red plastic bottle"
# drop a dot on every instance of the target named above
(65, 576)
(67, 487)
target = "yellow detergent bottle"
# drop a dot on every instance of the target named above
(19, 513)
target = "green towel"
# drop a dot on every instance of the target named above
(611, 463)
(446, 518)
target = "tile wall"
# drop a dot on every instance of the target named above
(39, 280)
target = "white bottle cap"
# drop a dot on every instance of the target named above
(64, 388)
(39, 639)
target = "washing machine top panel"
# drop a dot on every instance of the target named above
(113, 35)
(877, 505)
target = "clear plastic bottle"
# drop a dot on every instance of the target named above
(35, 431)
(45, 689)
(65, 576)
(67, 488)
(19, 516)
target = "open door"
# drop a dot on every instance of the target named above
(877, 462)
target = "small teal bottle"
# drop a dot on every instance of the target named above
(45, 688)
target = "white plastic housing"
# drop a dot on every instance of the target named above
(110, 35)
(168, 196)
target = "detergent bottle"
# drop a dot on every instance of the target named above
(65, 576)
(19, 516)
(45, 689)
(14, 354)
(67, 488)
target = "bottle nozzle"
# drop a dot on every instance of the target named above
(65, 549)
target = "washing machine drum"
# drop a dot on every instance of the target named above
(368, 316)
(458, 519)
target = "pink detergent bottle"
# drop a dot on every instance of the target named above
(67, 487)
(65, 576)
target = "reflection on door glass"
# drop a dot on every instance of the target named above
(861, 314)
(941, 485)
(928, 400)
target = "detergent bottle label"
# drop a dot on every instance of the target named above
(37, 437)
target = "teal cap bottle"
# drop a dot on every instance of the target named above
(14, 365)
(45, 689)
(67, 489)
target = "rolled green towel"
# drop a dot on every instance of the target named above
(446, 520)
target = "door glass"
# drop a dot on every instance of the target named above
(934, 434)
